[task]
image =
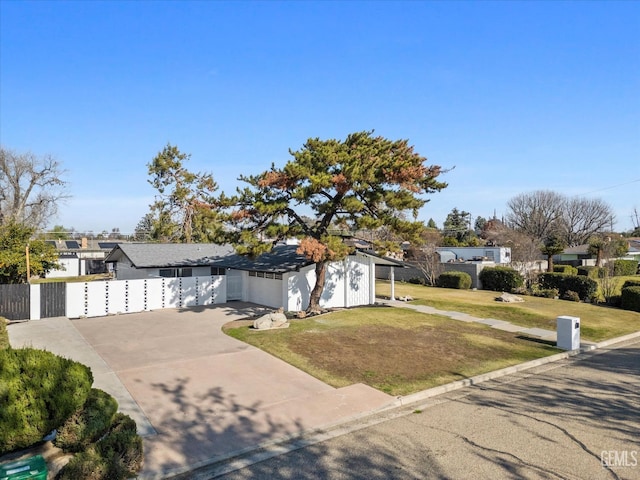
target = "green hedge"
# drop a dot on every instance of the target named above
(89, 423)
(117, 456)
(585, 287)
(4, 335)
(460, 280)
(623, 268)
(568, 269)
(38, 392)
(631, 299)
(631, 283)
(500, 279)
(591, 272)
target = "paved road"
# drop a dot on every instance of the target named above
(559, 421)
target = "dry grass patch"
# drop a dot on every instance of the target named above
(598, 322)
(398, 351)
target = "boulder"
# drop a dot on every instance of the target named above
(271, 320)
(509, 298)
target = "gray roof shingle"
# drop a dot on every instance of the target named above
(154, 255)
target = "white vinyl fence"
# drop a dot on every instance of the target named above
(97, 299)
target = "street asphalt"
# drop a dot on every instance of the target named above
(577, 418)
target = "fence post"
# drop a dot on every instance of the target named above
(34, 301)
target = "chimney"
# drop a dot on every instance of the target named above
(83, 243)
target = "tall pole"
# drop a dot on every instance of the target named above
(28, 265)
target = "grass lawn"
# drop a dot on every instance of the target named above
(597, 322)
(395, 350)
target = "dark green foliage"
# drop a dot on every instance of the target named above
(585, 287)
(571, 296)
(546, 293)
(614, 301)
(625, 267)
(89, 423)
(4, 335)
(38, 392)
(14, 238)
(500, 279)
(417, 281)
(631, 299)
(117, 456)
(631, 283)
(459, 280)
(568, 269)
(591, 272)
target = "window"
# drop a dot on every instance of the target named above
(260, 275)
(167, 272)
(218, 271)
(252, 274)
(176, 272)
(277, 276)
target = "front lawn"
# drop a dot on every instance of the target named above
(396, 350)
(597, 322)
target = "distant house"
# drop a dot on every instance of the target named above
(579, 255)
(280, 278)
(78, 258)
(497, 255)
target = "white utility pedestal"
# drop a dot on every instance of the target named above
(568, 329)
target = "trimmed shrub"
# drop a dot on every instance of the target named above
(4, 335)
(585, 287)
(459, 280)
(591, 272)
(615, 301)
(568, 269)
(500, 279)
(89, 423)
(625, 267)
(571, 296)
(630, 283)
(631, 299)
(39, 392)
(117, 456)
(546, 292)
(551, 281)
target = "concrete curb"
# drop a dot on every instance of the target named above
(222, 465)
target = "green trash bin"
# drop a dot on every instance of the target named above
(32, 468)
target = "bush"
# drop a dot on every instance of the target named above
(39, 392)
(585, 287)
(460, 280)
(568, 269)
(630, 283)
(4, 335)
(500, 279)
(631, 299)
(591, 272)
(548, 281)
(571, 296)
(117, 456)
(615, 301)
(546, 292)
(625, 267)
(417, 281)
(89, 423)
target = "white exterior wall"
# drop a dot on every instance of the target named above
(71, 267)
(96, 299)
(501, 255)
(348, 283)
(265, 291)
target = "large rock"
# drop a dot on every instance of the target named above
(509, 298)
(271, 320)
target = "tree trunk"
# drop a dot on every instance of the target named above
(316, 293)
(550, 263)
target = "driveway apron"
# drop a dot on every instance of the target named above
(197, 394)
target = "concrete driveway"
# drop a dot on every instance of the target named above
(197, 394)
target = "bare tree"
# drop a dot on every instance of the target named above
(425, 257)
(536, 214)
(31, 188)
(582, 218)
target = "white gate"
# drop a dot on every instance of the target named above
(234, 285)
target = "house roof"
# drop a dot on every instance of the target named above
(281, 259)
(155, 255)
(284, 258)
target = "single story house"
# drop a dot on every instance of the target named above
(279, 278)
(498, 255)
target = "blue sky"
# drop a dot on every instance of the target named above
(517, 96)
